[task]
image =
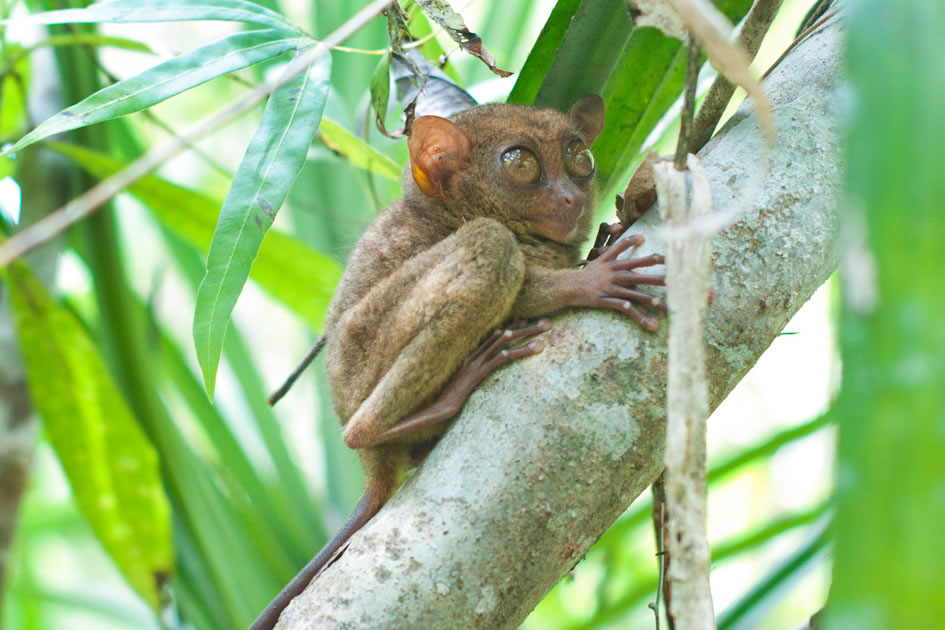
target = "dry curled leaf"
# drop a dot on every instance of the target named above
(439, 96)
(640, 193)
(443, 14)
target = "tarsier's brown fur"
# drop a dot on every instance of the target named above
(467, 249)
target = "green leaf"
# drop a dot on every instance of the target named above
(542, 54)
(768, 588)
(646, 81)
(111, 465)
(891, 409)
(166, 80)
(130, 11)
(93, 39)
(357, 151)
(284, 263)
(380, 89)
(272, 162)
(13, 83)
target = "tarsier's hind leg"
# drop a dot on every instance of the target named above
(452, 305)
(495, 351)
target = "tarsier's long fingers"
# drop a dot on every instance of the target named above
(603, 235)
(611, 253)
(607, 235)
(502, 337)
(625, 307)
(637, 296)
(643, 261)
(495, 351)
(629, 279)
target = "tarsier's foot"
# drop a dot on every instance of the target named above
(496, 350)
(490, 354)
(610, 281)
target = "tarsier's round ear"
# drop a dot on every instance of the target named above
(587, 114)
(438, 149)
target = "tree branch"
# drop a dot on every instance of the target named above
(552, 449)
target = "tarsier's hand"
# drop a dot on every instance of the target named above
(607, 234)
(606, 282)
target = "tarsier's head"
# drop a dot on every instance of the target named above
(529, 167)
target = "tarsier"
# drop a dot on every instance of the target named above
(497, 203)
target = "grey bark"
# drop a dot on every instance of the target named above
(551, 450)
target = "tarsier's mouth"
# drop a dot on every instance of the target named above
(558, 225)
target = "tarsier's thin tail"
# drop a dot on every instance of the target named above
(369, 505)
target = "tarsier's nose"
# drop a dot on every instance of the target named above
(570, 198)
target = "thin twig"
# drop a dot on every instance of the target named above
(750, 36)
(689, 105)
(660, 528)
(297, 372)
(92, 199)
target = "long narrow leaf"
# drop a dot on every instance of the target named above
(542, 54)
(128, 11)
(357, 151)
(272, 162)
(769, 586)
(284, 263)
(166, 80)
(111, 465)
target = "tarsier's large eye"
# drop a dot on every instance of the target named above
(522, 165)
(578, 159)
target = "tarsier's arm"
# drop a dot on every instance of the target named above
(606, 282)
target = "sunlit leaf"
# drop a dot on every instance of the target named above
(93, 39)
(380, 91)
(542, 54)
(130, 11)
(291, 271)
(13, 85)
(111, 465)
(167, 79)
(272, 162)
(357, 151)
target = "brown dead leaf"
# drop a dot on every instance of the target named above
(443, 14)
(640, 193)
